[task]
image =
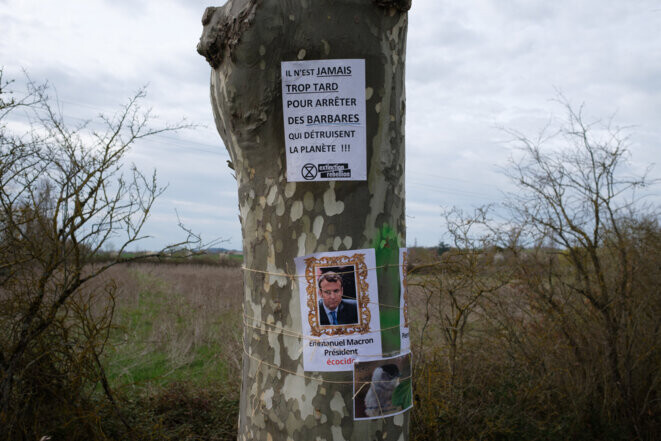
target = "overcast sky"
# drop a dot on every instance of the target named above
(473, 68)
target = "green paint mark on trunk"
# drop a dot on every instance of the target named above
(386, 247)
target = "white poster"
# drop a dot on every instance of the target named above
(339, 309)
(323, 103)
(404, 301)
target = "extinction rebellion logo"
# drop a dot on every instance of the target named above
(334, 171)
(326, 171)
(309, 172)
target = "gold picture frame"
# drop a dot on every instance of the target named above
(357, 260)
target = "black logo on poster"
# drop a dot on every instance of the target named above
(334, 171)
(309, 172)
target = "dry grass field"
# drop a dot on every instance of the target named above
(176, 322)
(175, 349)
(491, 361)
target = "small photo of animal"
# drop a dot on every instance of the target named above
(382, 387)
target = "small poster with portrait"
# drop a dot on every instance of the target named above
(405, 338)
(339, 309)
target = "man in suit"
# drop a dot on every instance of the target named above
(333, 309)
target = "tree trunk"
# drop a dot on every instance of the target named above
(245, 41)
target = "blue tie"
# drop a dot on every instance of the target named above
(334, 317)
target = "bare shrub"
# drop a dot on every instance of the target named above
(63, 194)
(569, 347)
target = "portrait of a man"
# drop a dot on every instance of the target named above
(334, 307)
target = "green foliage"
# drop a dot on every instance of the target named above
(442, 248)
(402, 396)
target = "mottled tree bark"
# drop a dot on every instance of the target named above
(245, 41)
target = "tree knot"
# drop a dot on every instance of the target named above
(223, 27)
